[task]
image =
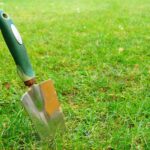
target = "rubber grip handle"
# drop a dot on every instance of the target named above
(16, 48)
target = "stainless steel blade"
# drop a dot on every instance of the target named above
(44, 109)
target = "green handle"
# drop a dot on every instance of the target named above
(16, 47)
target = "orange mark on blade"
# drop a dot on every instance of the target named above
(50, 97)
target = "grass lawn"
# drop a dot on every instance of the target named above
(97, 52)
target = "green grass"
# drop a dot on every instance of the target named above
(98, 54)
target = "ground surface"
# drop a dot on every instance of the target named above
(97, 52)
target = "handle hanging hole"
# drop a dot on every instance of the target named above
(5, 15)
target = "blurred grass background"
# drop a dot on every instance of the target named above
(98, 54)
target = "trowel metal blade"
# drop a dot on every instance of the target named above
(43, 107)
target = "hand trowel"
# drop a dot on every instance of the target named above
(40, 101)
